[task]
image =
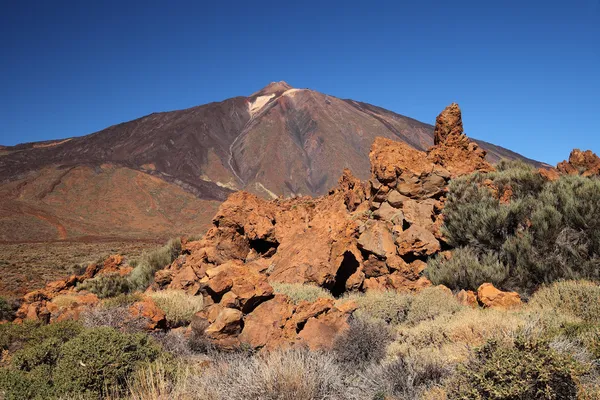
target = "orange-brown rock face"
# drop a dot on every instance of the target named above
(362, 236)
(491, 297)
(453, 149)
(584, 163)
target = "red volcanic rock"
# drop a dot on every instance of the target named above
(550, 174)
(264, 327)
(452, 149)
(417, 241)
(491, 297)
(467, 298)
(584, 163)
(148, 310)
(361, 236)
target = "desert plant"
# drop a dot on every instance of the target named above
(143, 274)
(122, 300)
(113, 317)
(401, 379)
(296, 374)
(101, 358)
(158, 380)
(178, 306)
(525, 369)
(389, 306)
(7, 310)
(466, 269)
(16, 336)
(431, 303)
(544, 231)
(364, 342)
(298, 292)
(106, 285)
(580, 299)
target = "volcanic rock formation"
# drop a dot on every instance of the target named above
(362, 236)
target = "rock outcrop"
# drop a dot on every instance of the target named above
(361, 236)
(585, 163)
(452, 149)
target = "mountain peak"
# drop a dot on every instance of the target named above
(273, 88)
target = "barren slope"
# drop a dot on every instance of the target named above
(165, 173)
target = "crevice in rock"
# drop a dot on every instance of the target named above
(348, 267)
(264, 247)
(255, 302)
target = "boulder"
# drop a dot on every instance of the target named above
(148, 310)
(319, 332)
(467, 298)
(377, 239)
(264, 326)
(418, 242)
(490, 297)
(227, 324)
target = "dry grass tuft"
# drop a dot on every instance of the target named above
(179, 307)
(298, 292)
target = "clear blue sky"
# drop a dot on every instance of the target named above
(526, 73)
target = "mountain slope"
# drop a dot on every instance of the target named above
(278, 141)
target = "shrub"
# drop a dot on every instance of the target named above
(106, 285)
(527, 369)
(548, 231)
(430, 303)
(36, 349)
(198, 342)
(158, 380)
(113, 317)
(173, 342)
(296, 374)
(16, 336)
(20, 385)
(389, 306)
(580, 299)
(143, 274)
(7, 310)
(122, 300)
(178, 306)
(400, 379)
(466, 269)
(364, 342)
(101, 358)
(301, 292)
(448, 337)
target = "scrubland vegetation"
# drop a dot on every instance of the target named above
(544, 243)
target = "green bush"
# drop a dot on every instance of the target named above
(431, 303)
(16, 336)
(7, 311)
(63, 359)
(466, 269)
(548, 231)
(389, 306)
(106, 285)
(143, 274)
(529, 369)
(579, 299)
(100, 359)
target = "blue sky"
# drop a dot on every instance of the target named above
(526, 73)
